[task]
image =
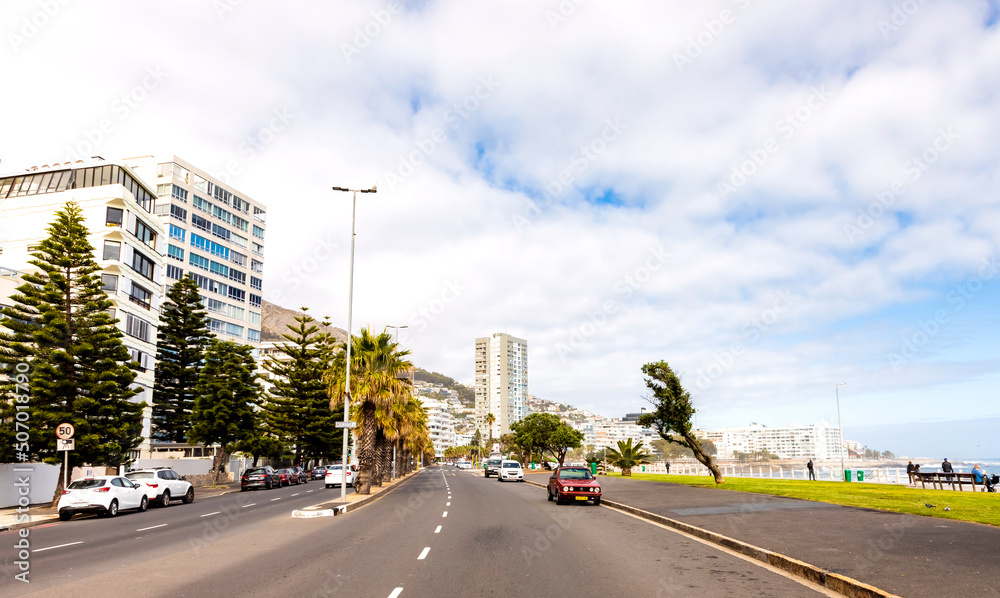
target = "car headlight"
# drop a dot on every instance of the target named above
(597, 490)
(565, 488)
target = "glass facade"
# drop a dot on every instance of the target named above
(77, 178)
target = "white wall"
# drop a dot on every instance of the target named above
(41, 483)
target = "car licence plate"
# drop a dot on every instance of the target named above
(582, 497)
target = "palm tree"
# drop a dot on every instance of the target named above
(376, 365)
(627, 456)
(490, 420)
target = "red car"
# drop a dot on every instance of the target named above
(574, 484)
(288, 476)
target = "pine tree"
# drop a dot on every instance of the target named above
(81, 373)
(181, 342)
(227, 395)
(298, 408)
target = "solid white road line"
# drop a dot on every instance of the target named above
(151, 527)
(445, 514)
(438, 530)
(423, 553)
(209, 514)
(59, 546)
(249, 505)
(396, 592)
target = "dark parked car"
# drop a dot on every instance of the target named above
(260, 477)
(318, 473)
(303, 476)
(575, 484)
(286, 477)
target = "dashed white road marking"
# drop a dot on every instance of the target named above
(151, 527)
(396, 592)
(438, 530)
(447, 504)
(249, 505)
(274, 499)
(423, 553)
(208, 514)
(445, 514)
(59, 546)
(296, 494)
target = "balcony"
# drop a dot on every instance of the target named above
(139, 301)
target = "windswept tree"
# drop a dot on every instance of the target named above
(80, 372)
(180, 350)
(227, 396)
(671, 417)
(627, 456)
(297, 409)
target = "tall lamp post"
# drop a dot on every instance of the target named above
(395, 333)
(347, 367)
(839, 425)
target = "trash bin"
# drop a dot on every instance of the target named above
(644, 469)
(532, 464)
(847, 475)
(593, 468)
(861, 475)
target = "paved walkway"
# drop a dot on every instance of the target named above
(908, 555)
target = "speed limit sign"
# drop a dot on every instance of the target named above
(64, 431)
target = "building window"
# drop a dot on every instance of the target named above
(144, 233)
(162, 190)
(216, 326)
(177, 232)
(197, 261)
(201, 223)
(178, 213)
(253, 335)
(238, 258)
(202, 204)
(217, 268)
(175, 252)
(112, 250)
(238, 240)
(254, 317)
(243, 225)
(258, 249)
(237, 294)
(258, 214)
(178, 193)
(140, 296)
(237, 276)
(220, 231)
(258, 232)
(257, 266)
(142, 264)
(137, 327)
(115, 216)
(256, 283)
(235, 312)
(214, 305)
(234, 330)
(110, 282)
(254, 300)
(163, 169)
(174, 272)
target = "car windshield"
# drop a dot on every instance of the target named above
(575, 474)
(255, 472)
(335, 468)
(84, 484)
(140, 475)
(512, 465)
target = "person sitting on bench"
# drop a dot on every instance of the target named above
(981, 477)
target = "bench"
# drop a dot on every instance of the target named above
(939, 479)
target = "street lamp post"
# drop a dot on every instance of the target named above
(395, 332)
(839, 425)
(347, 367)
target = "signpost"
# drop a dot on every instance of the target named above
(65, 443)
(350, 425)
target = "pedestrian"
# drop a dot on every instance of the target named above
(946, 468)
(812, 472)
(668, 467)
(910, 470)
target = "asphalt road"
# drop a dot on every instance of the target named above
(441, 533)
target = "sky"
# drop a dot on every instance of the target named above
(773, 198)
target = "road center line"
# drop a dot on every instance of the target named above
(423, 553)
(445, 514)
(438, 530)
(274, 499)
(151, 527)
(296, 494)
(210, 514)
(249, 505)
(396, 592)
(59, 546)
(447, 504)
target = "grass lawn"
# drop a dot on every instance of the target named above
(980, 507)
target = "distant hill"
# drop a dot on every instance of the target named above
(274, 321)
(465, 394)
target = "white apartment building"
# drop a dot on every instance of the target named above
(608, 431)
(215, 234)
(128, 239)
(440, 424)
(501, 383)
(820, 441)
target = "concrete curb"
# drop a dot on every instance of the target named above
(832, 581)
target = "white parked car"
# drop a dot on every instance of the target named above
(463, 465)
(510, 470)
(162, 485)
(334, 475)
(104, 495)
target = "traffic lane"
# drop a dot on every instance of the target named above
(895, 552)
(75, 543)
(507, 539)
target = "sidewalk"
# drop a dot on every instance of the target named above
(907, 555)
(41, 514)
